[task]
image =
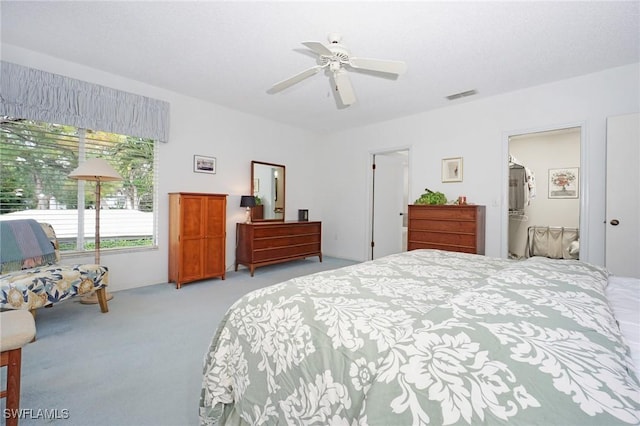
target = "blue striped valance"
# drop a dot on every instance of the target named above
(38, 95)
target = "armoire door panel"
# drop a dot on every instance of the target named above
(214, 259)
(192, 210)
(191, 259)
(216, 218)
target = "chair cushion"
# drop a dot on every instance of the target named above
(37, 287)
(17, 328)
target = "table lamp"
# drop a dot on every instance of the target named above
(247, 201)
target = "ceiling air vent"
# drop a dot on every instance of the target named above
(461, 95)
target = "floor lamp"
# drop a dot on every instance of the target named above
(97, 170)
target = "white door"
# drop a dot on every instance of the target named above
(389, 203)
(622, 249)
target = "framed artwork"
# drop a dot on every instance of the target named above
(452, 169)
(202, 164)
(563, 183)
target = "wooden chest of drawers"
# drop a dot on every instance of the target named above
(452, 228)
(266, 243)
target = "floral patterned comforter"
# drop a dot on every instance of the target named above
(424, 337)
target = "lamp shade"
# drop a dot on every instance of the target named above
(95, 169)
(247, 201)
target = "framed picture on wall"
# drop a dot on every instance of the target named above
(202, 164)
(452, 169)
(563, 183)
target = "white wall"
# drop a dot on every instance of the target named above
(478, 132)
(332, 178)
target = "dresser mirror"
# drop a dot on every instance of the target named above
(268, 186)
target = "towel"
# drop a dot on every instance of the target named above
(24, 244)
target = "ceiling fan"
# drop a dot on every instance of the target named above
(337, 59)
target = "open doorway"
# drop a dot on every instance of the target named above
(544, 194)
(389, 204)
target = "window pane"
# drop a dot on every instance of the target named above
(35, 161)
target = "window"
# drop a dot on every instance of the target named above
(35, 161)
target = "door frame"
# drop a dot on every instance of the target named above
(370, 189)
(584, 185)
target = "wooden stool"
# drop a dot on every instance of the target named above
(17, 328)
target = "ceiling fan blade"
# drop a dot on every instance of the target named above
(392, 67)
(318, 48)
(344, 88)
(293, 80)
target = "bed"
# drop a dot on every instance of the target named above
(425, 337)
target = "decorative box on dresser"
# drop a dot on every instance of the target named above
(449, 227)
(197, 234)
(266, 243)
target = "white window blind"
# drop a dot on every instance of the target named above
(35, 161)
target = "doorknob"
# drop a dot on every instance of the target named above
(615, 222)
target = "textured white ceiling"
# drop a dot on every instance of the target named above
(231, 52)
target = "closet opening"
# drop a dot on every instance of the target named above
(544, 194)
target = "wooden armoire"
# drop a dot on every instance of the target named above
(197, 236)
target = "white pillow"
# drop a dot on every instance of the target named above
(574, 248)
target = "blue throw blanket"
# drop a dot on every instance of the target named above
(24, 244)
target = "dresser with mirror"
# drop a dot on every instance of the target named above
(269, 238)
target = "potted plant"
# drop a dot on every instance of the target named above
(432, 198)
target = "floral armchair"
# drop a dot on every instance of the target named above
(37, 284)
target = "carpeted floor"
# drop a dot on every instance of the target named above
(139, 364)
